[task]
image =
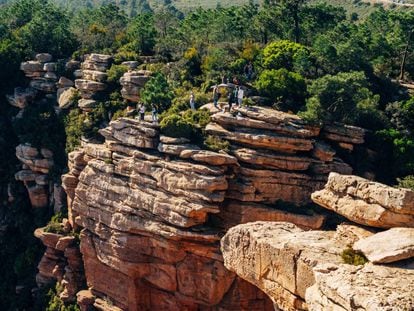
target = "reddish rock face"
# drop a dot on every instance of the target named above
(153, 209)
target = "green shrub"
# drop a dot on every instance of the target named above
(283, 54)
(53, 227)
(175, 125)
(157, 92)
(342, 97)
(55, 303)
(215, 143)
(351, 257)
(287, 88)
(406, 182)
(199, 118)
(115, 73)
(123, 56)
(55, 224)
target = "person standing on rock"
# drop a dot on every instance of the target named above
(240, 95)
(230, 98)
(192, 101)
(215, 96)
(154, 113)
(142, 112)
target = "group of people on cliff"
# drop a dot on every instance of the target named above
(234, 91)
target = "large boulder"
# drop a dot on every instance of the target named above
(366, 202)
(278, 257)
(388, 246)
(366, 288)
(66, 97)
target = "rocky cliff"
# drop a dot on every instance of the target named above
(152, 208)
(302, 270)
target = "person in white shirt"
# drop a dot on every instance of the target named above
(240, 95)
(142, 112)
(192, 101)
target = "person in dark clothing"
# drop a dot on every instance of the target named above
(231, 99)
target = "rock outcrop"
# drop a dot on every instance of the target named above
(36, 165)
(92, 76)
(153, 208)
(61, 262)
(280, 156)
(303, 270)
(369, 287)
(132, 82)
(42, 73)
(144, 220)
(388, 246)
(366, 202)
(278, 257)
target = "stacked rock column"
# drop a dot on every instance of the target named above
(91, 80)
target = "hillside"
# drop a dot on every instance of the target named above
(132, 7)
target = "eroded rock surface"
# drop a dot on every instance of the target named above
(278, 257)
(366, 202)
(61, 262)
(388, 246)
(303, 270)
(132, 82)
(369, 287)
(153, 208)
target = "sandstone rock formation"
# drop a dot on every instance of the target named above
(281, 157)
(91, 78)
(278, 257)
(388, 246)
(152, 208)
(132, 82)
(61, 262)
(303, 270)
(36, 165)
(369, 287)
(367, 203)
(42, 73)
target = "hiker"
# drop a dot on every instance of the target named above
(235, 94)
(248, 70)
(154, 113)
(192, 101)
(216, 95)
(240, 95)
(231, 99)
(142, 112)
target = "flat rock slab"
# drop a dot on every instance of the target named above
(278, 257)
(388, 246)
(363, 288)
(366, 202)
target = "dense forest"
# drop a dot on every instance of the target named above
(313, 59)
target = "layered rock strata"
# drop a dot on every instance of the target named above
(366, 202)
(36, 165)
(132, 82)
(61, 262)
(153, 208)
(302, 270)
(146, 243)
(42, 73)
(281, 157)
(91, 79)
